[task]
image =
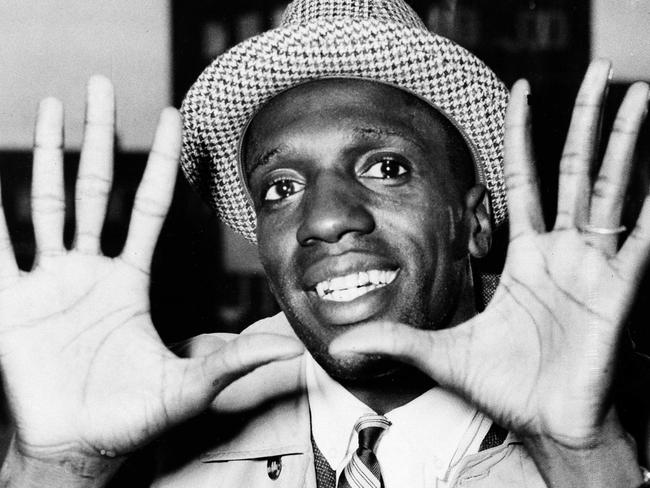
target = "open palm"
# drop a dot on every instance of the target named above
(540, 359)
(84, 368)
(543, 352)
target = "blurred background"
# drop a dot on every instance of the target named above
(204, 277)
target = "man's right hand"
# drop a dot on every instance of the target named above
(88, 379)
(540, 360)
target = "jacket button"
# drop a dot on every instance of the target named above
(274, 467)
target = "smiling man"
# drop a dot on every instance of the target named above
(365, 156)
(367, 207)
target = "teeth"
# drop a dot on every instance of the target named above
(338, 283)
(349, 294)
(350, 281)
(362, 279)
(321, 288)
(349, 287)
(386, 278)
(374, 276)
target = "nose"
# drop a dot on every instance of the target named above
(332, 208)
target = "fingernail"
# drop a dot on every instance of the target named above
(99, 82)
(51, 104)
(526, 89)
(171, 115)
(49, 123)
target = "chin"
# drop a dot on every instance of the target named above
(359, 369)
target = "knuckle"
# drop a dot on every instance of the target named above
(233, 358)
(515, 180)
(641, 235)
(47, 203)
(586, 100)
(149, 206)
(606, 188)
(624, 125)
(91, 188)
(575, 162)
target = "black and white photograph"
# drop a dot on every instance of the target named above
(324, 244)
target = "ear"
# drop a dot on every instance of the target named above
(477, 222)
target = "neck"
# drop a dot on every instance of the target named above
(392, 390)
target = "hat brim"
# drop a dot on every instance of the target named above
(221, 103)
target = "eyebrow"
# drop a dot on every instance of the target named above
(267, 157)
(380, 133)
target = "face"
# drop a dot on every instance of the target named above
(359, 216)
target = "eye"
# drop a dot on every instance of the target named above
(385, 168)
(281, 189)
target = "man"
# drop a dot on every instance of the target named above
(356, 148)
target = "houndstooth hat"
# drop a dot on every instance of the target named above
(381, 40)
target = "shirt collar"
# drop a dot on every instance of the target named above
(428, 431)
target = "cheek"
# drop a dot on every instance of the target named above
(432, 248)
(427, 222)
(275, 244)
(441, 217)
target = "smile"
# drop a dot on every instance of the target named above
(347, 288)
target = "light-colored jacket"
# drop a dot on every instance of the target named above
(268, 439)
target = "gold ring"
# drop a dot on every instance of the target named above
(603, 231)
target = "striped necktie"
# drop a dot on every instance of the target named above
(362, 471)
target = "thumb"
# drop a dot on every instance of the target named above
(201, 378)
(440, 354)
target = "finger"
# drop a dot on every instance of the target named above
(155, 193)
(580, 148)
(8, 266)
(524, 208)
(48, 196)
(632, 259)
(96, 165)
(200, 379)
(426, 350)
(610, 187)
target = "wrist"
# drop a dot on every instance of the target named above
(69, 469)
(606, 459)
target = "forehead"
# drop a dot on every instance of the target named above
(364, 106)
(348, 91)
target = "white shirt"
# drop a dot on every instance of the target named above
(427, 439)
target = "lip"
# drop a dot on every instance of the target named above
(344, 264)
(372, 304)
(364, 307)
